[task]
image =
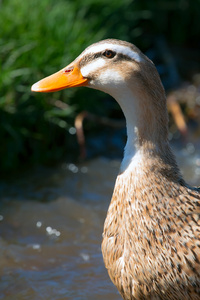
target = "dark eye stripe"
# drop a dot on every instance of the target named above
(90, 57)
(97, 55)
(125, 57)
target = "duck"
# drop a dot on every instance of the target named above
(151, 236)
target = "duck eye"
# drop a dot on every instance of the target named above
(109, 54)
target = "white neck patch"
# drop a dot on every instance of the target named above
(114, 47)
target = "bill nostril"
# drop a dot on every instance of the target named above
(68, 70)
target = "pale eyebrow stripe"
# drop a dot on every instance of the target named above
(117, 48)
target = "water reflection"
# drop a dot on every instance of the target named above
(51, 223)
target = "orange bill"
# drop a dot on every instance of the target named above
(68, 77)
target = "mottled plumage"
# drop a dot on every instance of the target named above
(151, 238)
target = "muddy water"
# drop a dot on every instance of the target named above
(50, 230)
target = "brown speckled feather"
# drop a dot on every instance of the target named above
(151, 239)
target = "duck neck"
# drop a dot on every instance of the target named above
(147, 130)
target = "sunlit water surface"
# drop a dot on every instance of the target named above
(51, 223)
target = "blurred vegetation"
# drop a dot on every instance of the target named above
(39, 37)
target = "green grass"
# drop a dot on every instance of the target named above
(37, 38)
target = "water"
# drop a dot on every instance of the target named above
(51, 226)
(51, 222)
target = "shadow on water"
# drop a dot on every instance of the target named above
(51, 223)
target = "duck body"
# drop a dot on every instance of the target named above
(151, 237)
(151, 240)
